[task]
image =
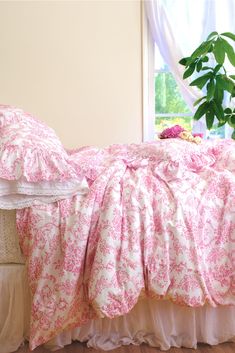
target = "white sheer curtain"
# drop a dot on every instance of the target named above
(179, 26)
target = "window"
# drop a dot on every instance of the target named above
(177, 27)
(170, 107)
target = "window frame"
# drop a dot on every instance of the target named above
(167, 115)
(148, 82)
(148, 92)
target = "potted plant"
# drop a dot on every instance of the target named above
(209, 61)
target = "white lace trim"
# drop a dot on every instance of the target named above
(15, 195)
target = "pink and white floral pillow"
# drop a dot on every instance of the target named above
(34, 167)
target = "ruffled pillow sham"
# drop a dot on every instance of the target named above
(34, 167)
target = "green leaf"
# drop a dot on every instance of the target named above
(230, 85)
(219, 91)
(207, 68)
(220, 82)
(228, 111)
(210, 49)
(217, 68)
(201, 110)
(233, 135)
(233, 93)
(219, 52)
(199, 65)
(189, 71)
(219, 94)
(201, 50)
(184, 61)
(232, 76)
(225, 83)
(229, 35)
(221, 123)
(229, 51)
(218, 110)
(210, 89)
(205, 59)
(198, 101)
(202, 80)
(211, 35)
(210, 119)
(231, 120)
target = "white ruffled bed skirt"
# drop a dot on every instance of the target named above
(157, 323)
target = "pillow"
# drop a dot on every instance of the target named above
(9, 241)
(34, 167)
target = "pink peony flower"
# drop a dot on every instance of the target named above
(171, 132)
(198, 134)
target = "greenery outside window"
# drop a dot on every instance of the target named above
(170, 107)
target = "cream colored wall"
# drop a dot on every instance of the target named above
(76, 65)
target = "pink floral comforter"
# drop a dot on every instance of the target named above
(158, 220)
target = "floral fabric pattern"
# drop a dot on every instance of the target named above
(29, 149)
(158, 221)
(34, 166)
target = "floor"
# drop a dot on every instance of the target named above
(82, 348)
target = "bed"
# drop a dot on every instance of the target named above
(124, 244)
